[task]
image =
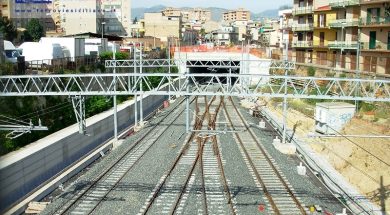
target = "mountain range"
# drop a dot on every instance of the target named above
(216, 12)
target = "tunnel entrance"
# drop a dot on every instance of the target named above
(211, 69)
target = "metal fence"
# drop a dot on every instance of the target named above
(60, 65)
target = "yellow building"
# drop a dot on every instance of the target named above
(322, 35)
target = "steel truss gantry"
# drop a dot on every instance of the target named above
(231, 63)
(243, 85)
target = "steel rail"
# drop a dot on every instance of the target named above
(296, 201)
(219, 159)
(198, 122)
(73, 202)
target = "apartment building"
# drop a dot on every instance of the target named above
(333, 33)
(303, 30)
(226, 35)
(116, 16)
(89, 20)
(323, 36)
(71, 17)
(240, 14)
(375, 36)
(346, 24)
(285, 29)
(161, 26)
(21, 12)
(189, 15)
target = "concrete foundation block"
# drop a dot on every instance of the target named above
(301, 169)
(139, 126)
(284, 148)
(116, 144)
(262, 124)
(343, 213)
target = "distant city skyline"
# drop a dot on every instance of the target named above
(252, 5)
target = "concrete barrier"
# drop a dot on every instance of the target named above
(24, 171)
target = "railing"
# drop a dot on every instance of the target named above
(303, 27)
(380, 46)
(60, 64)
(338, 23)
(302, 44)
(343, 3)
(286, 25)
(259, 52)
(342, 45)
(375, 21)
(371, 1)
(302, 10)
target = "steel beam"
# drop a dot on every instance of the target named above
(258, 85)
(231, 63)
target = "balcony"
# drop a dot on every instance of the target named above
(286, 25)
(343, 45)
(338, 23)
(377, 46)
(302, 10)
(373, 1)
(302, 44)
(374, 21)
(303, 27)
(343, 3)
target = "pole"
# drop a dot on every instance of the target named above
(169, 68)
(357, 69)
(285, 97)
(140, 104)
(115, 106)
(135, 95)
(188, 107)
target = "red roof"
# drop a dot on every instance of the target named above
(323, 8)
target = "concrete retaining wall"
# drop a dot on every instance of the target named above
(23, 171)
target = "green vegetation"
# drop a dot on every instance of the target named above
(311, 71)
(7, 68)
(56, 112)
(34, 31)
(8, 29)
(343, 75)
(118, 56)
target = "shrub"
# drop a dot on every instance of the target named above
(311, 71)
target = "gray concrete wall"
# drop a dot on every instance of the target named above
(23, 171)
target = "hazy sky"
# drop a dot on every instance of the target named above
(252, 5)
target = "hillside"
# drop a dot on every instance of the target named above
(216, 12)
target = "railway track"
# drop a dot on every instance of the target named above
(178, 176)
(170, 194)
(279, 195)
(91, 195)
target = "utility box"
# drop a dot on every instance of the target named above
(332, 116)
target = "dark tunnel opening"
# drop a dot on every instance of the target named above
(213, 69)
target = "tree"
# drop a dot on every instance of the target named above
(8, 29)
(135, 20)
(34, 31)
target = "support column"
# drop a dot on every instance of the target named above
(188, 107)
(285, 97)
(115, 106)
(141, 120)
(135, 94)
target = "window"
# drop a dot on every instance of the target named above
(301, 20)
(301, 3)
(373, 15)
(321, 20)
(372, 43)
(388, 40)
